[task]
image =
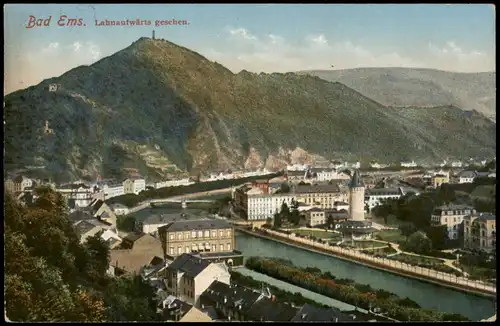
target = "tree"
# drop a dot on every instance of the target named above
(418, 243)
(285, 188)
(407, 229)
(285, 212)
(126, 223)
(294, 213)
(438, 236)
(277, 221)
(329, 221)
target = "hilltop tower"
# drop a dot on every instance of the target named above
(153, 34)
(356, 198)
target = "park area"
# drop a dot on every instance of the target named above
(380, 252)
(319, 234)
(390, 236)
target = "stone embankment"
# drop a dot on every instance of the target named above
(393, 266)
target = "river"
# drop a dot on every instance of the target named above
(425, 294)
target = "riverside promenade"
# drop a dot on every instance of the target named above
(396, 267)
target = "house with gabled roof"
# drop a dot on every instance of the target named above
(188, 276)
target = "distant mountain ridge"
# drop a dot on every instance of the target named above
(401, 87)
(159, 109)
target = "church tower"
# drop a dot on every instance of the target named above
(356, 198)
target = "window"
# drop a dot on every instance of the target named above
(179, 250)
(214, 247)
(171, 250)
(221, 247)
(187, 249)
(179, 236)
(228, 247)
(171, 236)
(214, 234)
(200, 234)
(207, 234)
(228, 233)
(220, 234)
(193, 234)
(186, 235)
(446, 220)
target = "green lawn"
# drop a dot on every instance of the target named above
(390, 236)
(317, 234)
(391, 221)
(477, 272)
(483, 192)
(417, 260)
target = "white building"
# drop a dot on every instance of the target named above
(375, 197)
(134, 185)
(466, 177)
(173, 183)
(411, 164)
(188, 276)
(456, 164)
(260, 206)
(375, 165)
(113, 190)
(297, 167)
(356, 165)
(451, 216)
(327, 175)
(338, 205)
(315, 216)
(80, 195)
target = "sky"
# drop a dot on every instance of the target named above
(257, 38)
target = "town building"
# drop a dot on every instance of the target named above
(188, 276)
(315, 216)
(173, 183)
(113, 190)
(439, 179)
(480, 231)
(376, 196)
(466, 177)
(21, 183)
(231, 301)
(136, 251)
(262, 184)
(322, 175)
(323, 195)
(99, 209)
(134, 185)
(452, 216)
(196, 236)
(295, 176)
(256, 205)
(411, 164)
(77, 196)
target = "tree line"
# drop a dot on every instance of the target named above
(51, 276)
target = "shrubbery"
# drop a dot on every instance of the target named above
(345, 290)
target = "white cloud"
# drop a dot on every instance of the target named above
(272, 53)
(53, 59)
(243, 33)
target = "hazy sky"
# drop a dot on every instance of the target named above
(269, 38)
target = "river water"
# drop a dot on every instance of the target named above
(425, 294)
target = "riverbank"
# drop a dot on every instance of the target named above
(371, 262)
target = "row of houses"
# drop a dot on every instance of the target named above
(477, 229)
(336, 165)
(257, 202)
(190, 288)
